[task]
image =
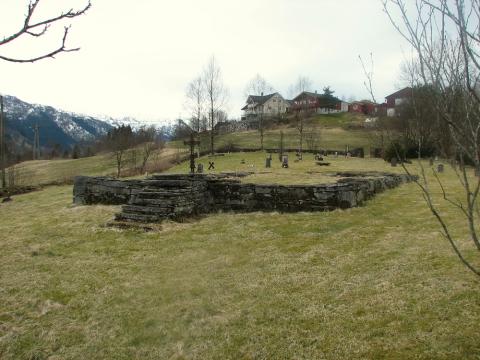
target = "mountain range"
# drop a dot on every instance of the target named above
(55, 126)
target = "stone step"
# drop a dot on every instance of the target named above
(139, 217)
(133, 209)
(177, 184)
(159, 194)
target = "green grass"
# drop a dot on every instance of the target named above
(335, 131)
(339, 120)
(334, 138)
(298, 172)
(43, 172)
(376, 282)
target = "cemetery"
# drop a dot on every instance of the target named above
(177, 196)
(234, 276)
(183, 195)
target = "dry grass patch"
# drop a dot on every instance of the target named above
(372, 282)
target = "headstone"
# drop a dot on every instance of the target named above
(393, 161)
(336, 153)
(200, 168)
(242, 161)
(211, 165)
(285, 162)
(440, 168)
(430, 161)
(268, 162)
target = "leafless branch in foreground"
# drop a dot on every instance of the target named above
(39, 28)
(448, 64)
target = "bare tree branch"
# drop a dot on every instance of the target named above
(38, 29)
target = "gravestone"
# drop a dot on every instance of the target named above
(393, 161)
(200, 168)
(242, 161)
(440, 168)
(268, 162)
(211, 165)
(430, 161)
(285, 162)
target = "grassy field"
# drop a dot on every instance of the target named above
(335, 131)
(44, 172)
(376, 282)
(298, 172)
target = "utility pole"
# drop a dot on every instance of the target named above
(2, 144)
(36, 143)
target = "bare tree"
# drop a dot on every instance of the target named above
(368, 83)
(312, 138)
(146, 138)
(119, 140)
(216, 94)
(258, 86)
(39, 28)
(196, 101)
(302, 110)
(449, 63)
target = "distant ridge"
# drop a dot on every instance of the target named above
(56, 126)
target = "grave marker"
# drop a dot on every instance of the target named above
(440, 168)
(192, 142)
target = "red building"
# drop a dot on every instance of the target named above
(318, 103)
(396, 99)
(365, 107)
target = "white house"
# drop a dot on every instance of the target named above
(265, 105)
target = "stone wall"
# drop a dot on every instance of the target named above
(177, 196)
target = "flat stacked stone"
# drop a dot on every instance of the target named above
(177, 196)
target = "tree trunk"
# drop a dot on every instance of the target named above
(2, 143)
(212, 114)
(261, 130)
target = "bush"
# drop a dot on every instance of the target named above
(407, 151)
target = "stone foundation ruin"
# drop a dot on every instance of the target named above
(178, 196)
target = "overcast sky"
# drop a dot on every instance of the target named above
(137, 57)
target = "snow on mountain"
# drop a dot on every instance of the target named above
(56, 126)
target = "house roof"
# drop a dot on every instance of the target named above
(324, 99)
(405, 92)
(261, 99)
(258, 99)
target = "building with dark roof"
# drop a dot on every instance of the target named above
(265, 105)
(319, 103)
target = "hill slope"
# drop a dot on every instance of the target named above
(56, 126)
